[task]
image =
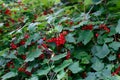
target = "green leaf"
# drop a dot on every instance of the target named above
(65, 64)
(107, 40)
(85, 36)
(118, 27)
(70, 38)
(112, 57)
(98, 66)
(43, 72)
(103, 52)
(32, 27)
(85, 60)
(115, 45)
(91, 76)
(58, 28)
(8, 75)
(88, 2)
(58, 57)
(34, 78)
(75, 67)
(3, 51)
(61, 75)
(32, 55)
(36, 36)
(83, 56)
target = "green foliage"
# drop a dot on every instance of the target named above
(50, 40)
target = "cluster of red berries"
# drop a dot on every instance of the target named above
(10, 64)
(60, 40)
(69, 22)
(21, 69)
(88, 27)
(8, 12)
(50, 11)
(116, 71)
(68, 55)
(23, 56)
(104, 27)
(22, 42)
(13, 46)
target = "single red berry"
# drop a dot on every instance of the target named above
(44, 38)
(102, 26)
(22, 42)
(21, 69)
(8, 65)
(23, 57)
(41, 56)
(39, 46)
(96, 34)
(7, 24)
(12, 66)
(64, 33)
(45, 13)
(26, 36)
(28, 73)
(44, 45)
(119, 56)
(68, 55)
(71, 23)
(12, 20)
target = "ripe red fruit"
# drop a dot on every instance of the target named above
(60, 40)
(45, 13)
(13, 46)
(71, 23)
(28, 73)
(7, 24)
(41, 56)
(21, 69)
(22, 42)
(44, 45)
(64, 33)
(12, 20)
(39, 46)
(96, 34)
(119, 56)
(44, 38)
(116, 71)
(68, 55)
(23, 57)
(8, 12)
(104, 27)
(88, 27)
(26, 36)
(10, 64)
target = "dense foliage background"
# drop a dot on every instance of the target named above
(59, 40)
